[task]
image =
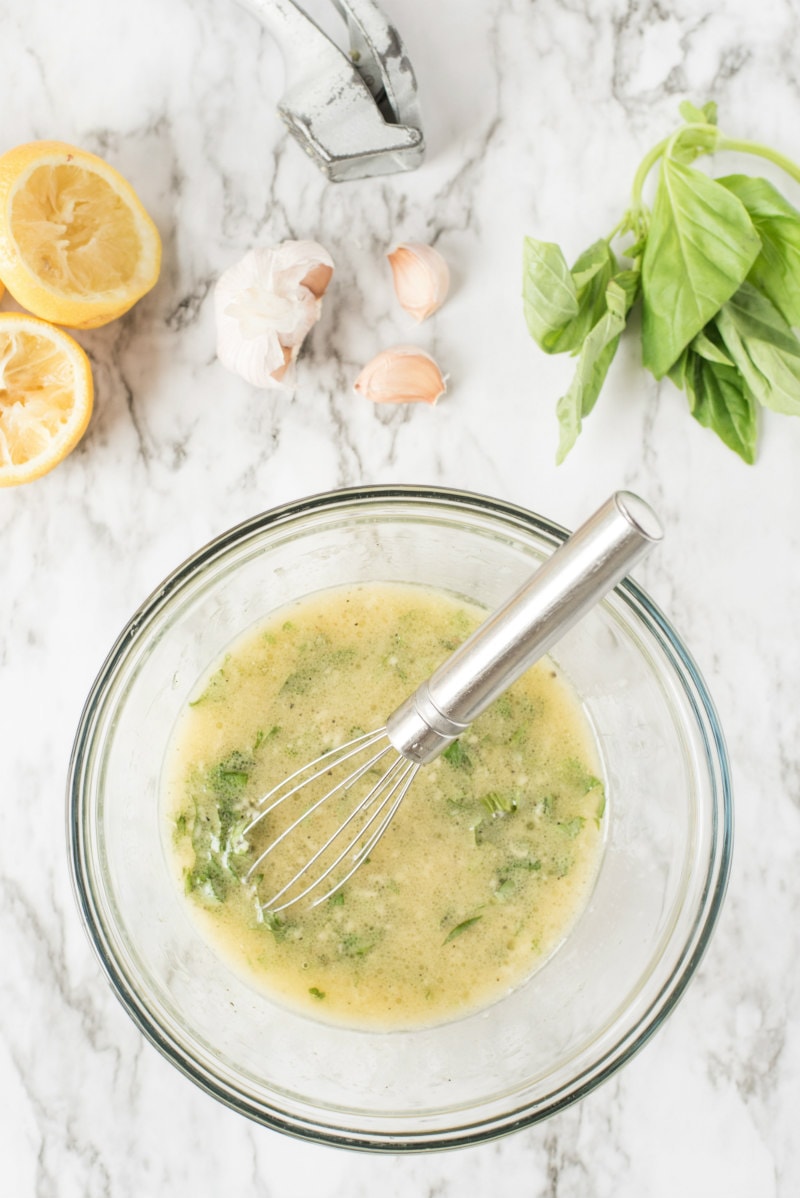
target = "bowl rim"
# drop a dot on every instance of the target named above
(478, 1130)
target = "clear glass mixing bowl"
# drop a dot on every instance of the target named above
(576, 1020)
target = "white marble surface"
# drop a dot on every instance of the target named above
(536, 113)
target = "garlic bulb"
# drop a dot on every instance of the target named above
(421, 278)
(265, 305)
(403, 374)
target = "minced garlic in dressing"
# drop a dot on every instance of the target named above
(485, 866)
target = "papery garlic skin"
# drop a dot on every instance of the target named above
(402, 374)
(421, 278)
(265, 306)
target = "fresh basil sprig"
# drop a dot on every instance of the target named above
(716, 265)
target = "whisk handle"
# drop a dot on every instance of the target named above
(567, 585)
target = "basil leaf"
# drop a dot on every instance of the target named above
(460, 928)
(277, 924)
(691, 142)
(597, 260)
(707, 115)
(776, 270)
(711, 350)
(595, 358)
(719, 398)
(700, 247)
(355, 944)
(678, 370)
(211, 878)
(591, 273)
(458, 756)
(549, 295)
(725, 406)
(720, 401)
(562, 306)
(766, 352)
(499, 804)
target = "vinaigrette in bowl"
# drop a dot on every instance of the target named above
(583, 1007)
(484, 866)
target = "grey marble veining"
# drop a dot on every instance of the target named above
(537, 114)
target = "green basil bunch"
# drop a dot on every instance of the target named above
(716, 265)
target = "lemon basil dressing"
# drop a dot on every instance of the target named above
(484, 868)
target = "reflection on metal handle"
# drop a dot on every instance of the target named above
(572, 581)
(355, 115)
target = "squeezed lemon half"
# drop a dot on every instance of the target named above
(76, 245)
(46, 397)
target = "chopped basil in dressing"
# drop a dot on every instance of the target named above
(483, 870)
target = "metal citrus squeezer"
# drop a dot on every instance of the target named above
(355, 115)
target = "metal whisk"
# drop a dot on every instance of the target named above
(560, 592)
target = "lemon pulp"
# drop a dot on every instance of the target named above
(74, 231)
(46, 397)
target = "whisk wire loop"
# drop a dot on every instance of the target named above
(404, 782)
(362, 806)
(343, 785)
(323, 763)
(397, 774)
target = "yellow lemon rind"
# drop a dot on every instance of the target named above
(28, 288)
(73, 430)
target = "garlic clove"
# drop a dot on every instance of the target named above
(402, 374)
(289, 356)
(254, 358)
(266, 304)
(318, 278)
(421, 278)
(295, 261)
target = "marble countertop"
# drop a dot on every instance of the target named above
(536, 116)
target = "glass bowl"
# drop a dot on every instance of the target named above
(549, 1042)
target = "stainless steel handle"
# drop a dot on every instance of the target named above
(563, 589)
(350, 127)
(300, 40)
